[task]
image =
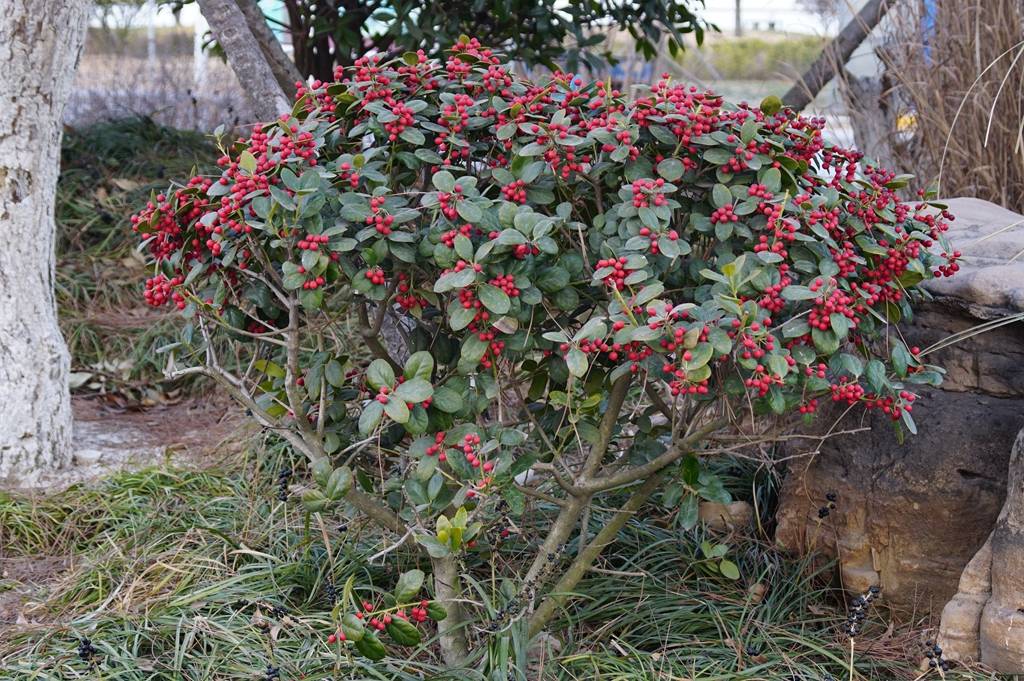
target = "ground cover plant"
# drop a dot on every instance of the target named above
(567, 302)
(172, 573)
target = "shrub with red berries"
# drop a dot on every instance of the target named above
(582, 287)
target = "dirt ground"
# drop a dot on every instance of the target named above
(111, 437)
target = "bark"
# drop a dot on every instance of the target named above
(451, 631)
(40, 43)
(246, 58)
(284, 69)
(562, 591)
(835, 55)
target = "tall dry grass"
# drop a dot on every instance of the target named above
(951, 99)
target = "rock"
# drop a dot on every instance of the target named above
(961, 618)
(725, 517)
(910, 517)
(990, 279)
(1002, 620)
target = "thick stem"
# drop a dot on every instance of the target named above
(246, 58)
(616, 397)
(571, 511)
(674, 453)
(452, 629)
(284, 69)
(572, 576)
(557, 535)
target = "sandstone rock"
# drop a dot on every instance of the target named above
(961, 618)
(991, 279)
(908, 517)
(1002, 620)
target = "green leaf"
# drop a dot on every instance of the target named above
(463, 247)
(729, 569)
(436, 611)
(370, 646)
(414, 390)
(403, 632)
(721, 196)
(447, 400)
(577, 362)
(494, 299)
(460, 317)
(444, 181)
(434, 547)
(473, 350)
(370, 418)
(247, 162)
(875, 374)
(396, 410)
(689, 512)
(409, 585)
(322, 470)
(339, 483)
(453, 280)
(826, 342)
(419, 365)
(314, 500)
(380, 374)
(334, 373)
(469, 211)
(794, 292)
(352, 627)
(671, 169)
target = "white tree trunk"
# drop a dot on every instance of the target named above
(40, 43)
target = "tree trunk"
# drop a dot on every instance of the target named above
(40, 43)
(284, 68)
(246, 58)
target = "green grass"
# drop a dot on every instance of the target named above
(185, 574)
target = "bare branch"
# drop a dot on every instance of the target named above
(674, 453)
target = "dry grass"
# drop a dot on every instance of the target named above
(952, 98)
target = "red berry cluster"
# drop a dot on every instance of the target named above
(616, 278)
(515, 191)
(470, 445)
(404, 118)
(448, 238)
(312, 242)
(406, 297)
(646, 193)
(724, 214)
(438, 447)
(160, 289)
(507, 283)
(448, 201)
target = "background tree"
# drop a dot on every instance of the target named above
(39, 48)
(332, 33)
